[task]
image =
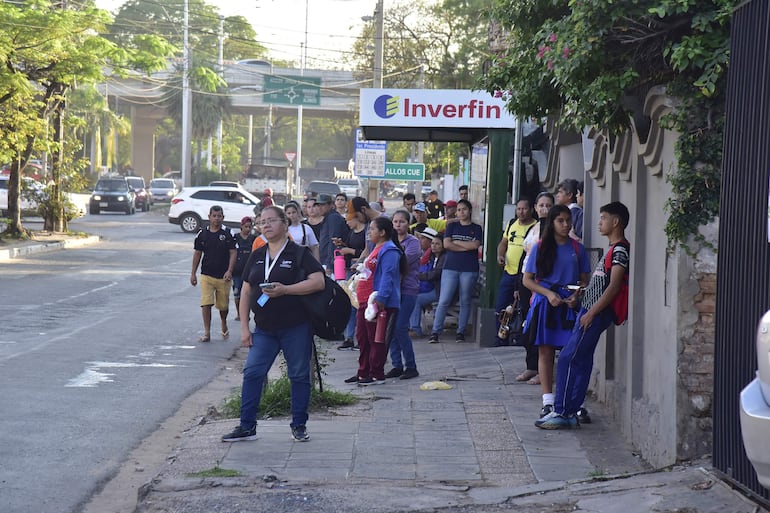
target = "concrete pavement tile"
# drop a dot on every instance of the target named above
(394, 472)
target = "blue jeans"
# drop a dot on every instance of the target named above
(450, 281)
(576, 360)
(296, 343)
(423, 299)
(350, 329)
(400, 343)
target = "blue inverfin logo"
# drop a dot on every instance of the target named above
(386, 106)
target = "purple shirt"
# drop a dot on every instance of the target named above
(410, 285)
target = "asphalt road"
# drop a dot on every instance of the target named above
(97, 347)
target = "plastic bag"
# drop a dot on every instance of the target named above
(435, 385)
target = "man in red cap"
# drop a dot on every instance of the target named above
(450, 210)
(267, 198)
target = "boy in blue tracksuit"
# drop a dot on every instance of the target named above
(596, 314)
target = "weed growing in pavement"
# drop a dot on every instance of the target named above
(597, 473)
(215, 472)
(276, 400)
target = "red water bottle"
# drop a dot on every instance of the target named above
(339, 265)
(382, 325)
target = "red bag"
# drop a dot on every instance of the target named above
(619, 303)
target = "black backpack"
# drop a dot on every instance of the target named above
(329, 309)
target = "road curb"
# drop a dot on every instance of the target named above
(44, 247)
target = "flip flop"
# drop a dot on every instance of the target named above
(205, 338)
(534, 381)
(526, 375)
(225, 334)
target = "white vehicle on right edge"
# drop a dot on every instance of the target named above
(190, 208)
(351, 186)
(755, 408)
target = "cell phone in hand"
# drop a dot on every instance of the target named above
(267, 286)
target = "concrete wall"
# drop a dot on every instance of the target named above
(653, 371)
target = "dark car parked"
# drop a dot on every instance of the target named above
(112, 194)
(143, 194)
(317, 187)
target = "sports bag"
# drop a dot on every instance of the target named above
(329, 309)
(619, 303)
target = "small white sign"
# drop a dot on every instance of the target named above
(370, 157)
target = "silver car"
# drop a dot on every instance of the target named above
(163, 189)
(755, 408)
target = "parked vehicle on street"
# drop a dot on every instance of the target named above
(112, 194)
(190, 208)
(315, 188)
(755, 408)
(176, 176)
(163, 189)
(276, 176)
(31, 192)
(351, 186)
(143, 194)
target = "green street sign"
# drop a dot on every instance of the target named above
(286, 90)
(402, 171)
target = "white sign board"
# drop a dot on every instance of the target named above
(442, 108)
(369, 157)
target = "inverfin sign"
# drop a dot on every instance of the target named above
(439, 108)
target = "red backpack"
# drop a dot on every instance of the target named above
(619, 303)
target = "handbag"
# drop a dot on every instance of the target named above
(511, 320)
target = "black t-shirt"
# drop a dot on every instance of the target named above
(216, 248)
(434, 209)
(284, 311)
(242, 251)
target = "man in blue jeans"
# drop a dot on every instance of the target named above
(596, 314)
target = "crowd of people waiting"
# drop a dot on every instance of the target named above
(423, 255)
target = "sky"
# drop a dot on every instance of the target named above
(332, 25)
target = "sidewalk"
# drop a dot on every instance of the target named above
(43, 241)
(473, 448)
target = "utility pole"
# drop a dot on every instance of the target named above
(221, 74)
(303, 59)
(379, 21)
(186, 101)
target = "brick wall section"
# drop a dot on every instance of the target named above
(696, 375)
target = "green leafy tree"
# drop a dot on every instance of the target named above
(592, 62)
(45, 49)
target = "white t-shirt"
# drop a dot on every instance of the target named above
(298, 236)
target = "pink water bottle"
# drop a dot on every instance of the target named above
(382, 327)
(339, 265)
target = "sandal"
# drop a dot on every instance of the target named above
(534, 381)
(225, 334)
(205, 338)
(526, 375)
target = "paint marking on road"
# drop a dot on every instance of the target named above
(90, 291)
(8, 342)
(92, 375)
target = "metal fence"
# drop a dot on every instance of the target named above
(743, 273)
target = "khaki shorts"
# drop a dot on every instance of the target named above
(215, 291)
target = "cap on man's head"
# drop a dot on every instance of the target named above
(450, 203)
(324, 198)
(428, 232)
(420, 207)
(247, 219)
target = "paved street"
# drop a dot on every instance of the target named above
(97, 347)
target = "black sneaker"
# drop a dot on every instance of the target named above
(240, 435)
(545, 410)
(409, 373)
(460, 337)
(299, 434)
(394, 373)
(370, 381)
(352, 379)
(433, 338)
(583, 416)
(347, 345)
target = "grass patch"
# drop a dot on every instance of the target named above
(276, 400)
(215, 472)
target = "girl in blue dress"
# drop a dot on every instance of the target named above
(556, 269)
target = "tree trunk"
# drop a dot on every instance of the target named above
(14, 228)
(56, 221)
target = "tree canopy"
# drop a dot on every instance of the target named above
(592, 62)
